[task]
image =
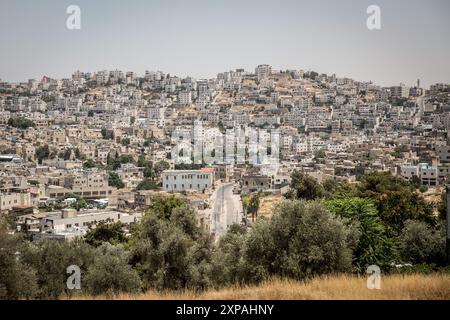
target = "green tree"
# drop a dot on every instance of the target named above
(147, 165)
(253, 205)
(147, 184)
(330, 185)
(125, 141)
(78, 154)
(396, 200)
(302, 239)
(374, 247)
(110, 273)
(149, 172)
(42, 152)
(420, 243)
(416, 182)
(304, 187)
(21, 123)
(50, 259)
(66, 154)
(142, 162)
(319, 154)
(229, 258)
(105, 232)
(17, 279)
(442, 205)
(115, 181)
(163, 206)
(170, 250)
(107, 134)
(398, 150)
(79, 204)
(245, 198)
(114, 163)
(160, 166)
(89, 164)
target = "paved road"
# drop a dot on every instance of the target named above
(227, 209)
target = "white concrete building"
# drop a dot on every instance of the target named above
(428, 174)
(263, 71)
(185, 97)
(188, 180)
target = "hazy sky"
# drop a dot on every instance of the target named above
(203, 37)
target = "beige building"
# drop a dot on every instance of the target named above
(90, 184)
(10, 198)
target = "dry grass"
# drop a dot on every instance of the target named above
(433, 194)
(342, 287)
(267, 204)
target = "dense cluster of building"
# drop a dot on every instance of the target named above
(59, 138)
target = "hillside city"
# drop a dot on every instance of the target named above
(98, 146)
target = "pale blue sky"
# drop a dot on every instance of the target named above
(203, 37)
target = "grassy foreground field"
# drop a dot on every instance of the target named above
(415, 287)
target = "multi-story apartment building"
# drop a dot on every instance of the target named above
(14, 197)
(263, 71)
(188, 180)
(400, 91)
(88, 184)
(427, 174)
(443, 153)
(185, 97)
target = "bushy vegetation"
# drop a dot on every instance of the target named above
(105, 232)
(110, 272)
(147, 184)
(169, 249)
(421, 244)
(301, 240)
(42, 152)
(304, 187)
(21, 123)
(374, 246)
(322, 229)
(115, 181)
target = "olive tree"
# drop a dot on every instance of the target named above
(421, 243)
(110, 273)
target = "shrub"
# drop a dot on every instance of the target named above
(420, 243)
(302, 239)
(105, 232)
(50, 259)
(304, 187)
(110, 273)
(229, 260)
(169, 249)
(17, 278)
